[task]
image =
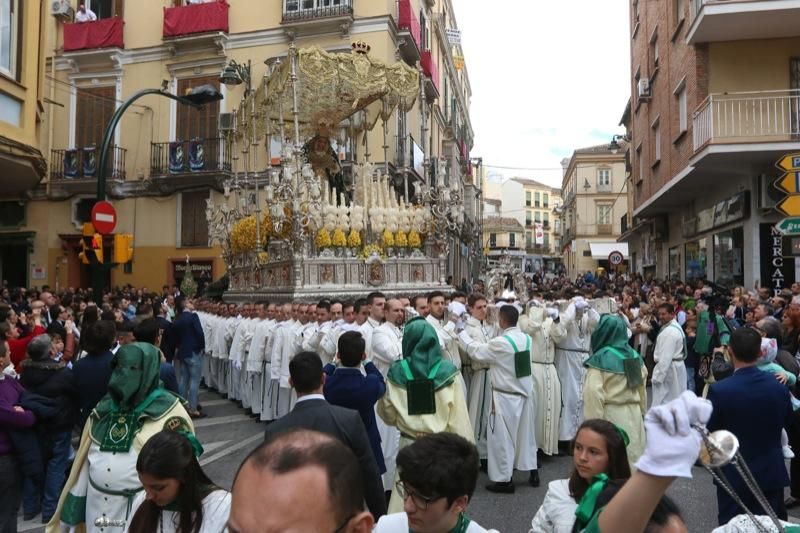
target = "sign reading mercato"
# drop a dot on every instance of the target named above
(777, 270)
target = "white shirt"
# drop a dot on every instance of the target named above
(86, 16)
(557, 513)
(310, 397)
(398, 523)
(216, 508)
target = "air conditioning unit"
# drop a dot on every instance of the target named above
(226, 122)
(61, 9)
(768, 194)
(644, 91)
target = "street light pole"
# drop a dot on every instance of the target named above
(199, 96)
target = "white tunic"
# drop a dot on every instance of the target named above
(557, 512)
(387, 348)
(109, 472)
(669, 374)
(366, 330)
(216, 508)
(480, 389)
(573, 343)
(511, 439)
(398, 523)
(545, 378)
(448, 340)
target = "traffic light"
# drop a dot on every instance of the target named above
(123, 248)
(97, 247)
(86, 255)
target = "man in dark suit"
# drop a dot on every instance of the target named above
(312, 412)
(345, 386)
(190, 343)
(755, 407)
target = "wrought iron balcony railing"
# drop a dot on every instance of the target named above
(82, 163)
(299, 10)
(189, 157)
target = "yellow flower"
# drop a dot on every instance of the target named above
(263, 258)
(323, 239)
(388, 238)
(414, 240)
(400, 239)
(354, 239)
(369, 249)
(339, 240)
(243, 235)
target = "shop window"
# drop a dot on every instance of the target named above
(696, 259)
(729, 257)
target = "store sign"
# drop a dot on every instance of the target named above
(202, 271)
(777, 271)
(458, 61)
(453, 36)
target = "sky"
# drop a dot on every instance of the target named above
(547, 77)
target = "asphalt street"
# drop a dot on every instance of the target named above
(228, 434)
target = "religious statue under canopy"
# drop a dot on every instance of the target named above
(324, 161)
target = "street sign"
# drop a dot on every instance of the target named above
(790, 206)
(616, 258)
(789, 226)
(453, 36)
(789, 182)
(789, 162)
(104, 217)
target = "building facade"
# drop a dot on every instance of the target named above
(714, 97)
(23, 106)
(503, 236)
(96, 66)
(542, 227)
(594, 203)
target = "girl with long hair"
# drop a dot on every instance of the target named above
(178, 497)
(597, 450)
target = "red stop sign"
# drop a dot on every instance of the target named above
(104, 217)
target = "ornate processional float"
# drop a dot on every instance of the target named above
(303, 228)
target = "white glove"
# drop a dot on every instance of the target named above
(457, 308)
(552, 312)
(237, 364)
(673, 445)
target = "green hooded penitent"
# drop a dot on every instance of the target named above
(422, 371)
(134, 395)
(612, 353)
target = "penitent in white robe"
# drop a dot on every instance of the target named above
(573, 344)
(387, 348)
(511, 440)
(545, 378)
(669, 374)
(480, 389)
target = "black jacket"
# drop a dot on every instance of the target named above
(53, 380)
(347, 426)
(92, 373)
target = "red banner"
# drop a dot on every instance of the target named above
(195, 18)
(408, 20)
(103, 33)
(429, 67)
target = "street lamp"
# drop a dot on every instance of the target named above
(614, 144)
(197, 97)
(236, 74)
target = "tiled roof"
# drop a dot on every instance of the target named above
(502, 223)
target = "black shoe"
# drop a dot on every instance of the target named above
(30, 516)
(199, 407)
(791, 502)
(46, 520)
(501, 487)
(484, 465)
(533, 481)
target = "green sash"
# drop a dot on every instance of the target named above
(420, 392)
(631, 366)
(586, 510)
(522, 359)
(461, 526)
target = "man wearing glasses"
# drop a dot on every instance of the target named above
(437, 477)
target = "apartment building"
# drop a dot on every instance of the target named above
(23, 104)
(133, 46)
(594, 203)
(715, 90)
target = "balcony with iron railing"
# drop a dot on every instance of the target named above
(317, 13)
(410, 31)
(190, 161)
(747, 117)
(195, 19)
(734, 20)
(80, 165)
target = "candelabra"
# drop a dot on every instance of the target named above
(446, 203)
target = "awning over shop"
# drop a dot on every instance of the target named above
(600, 250)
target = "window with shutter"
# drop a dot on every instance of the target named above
(194, 228)
(197, 123)
(93, 112)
